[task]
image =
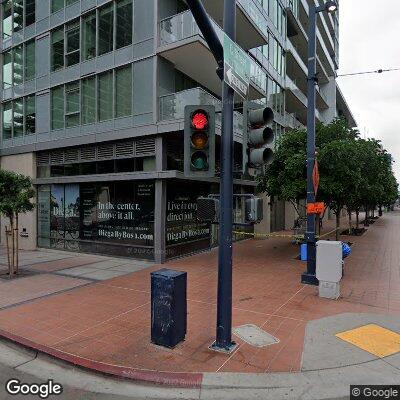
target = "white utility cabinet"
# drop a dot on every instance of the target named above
(329, 268)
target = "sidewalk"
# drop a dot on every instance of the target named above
(106, 325)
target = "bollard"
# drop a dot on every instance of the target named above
(168, 307)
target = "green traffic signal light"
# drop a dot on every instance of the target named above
(199, 161)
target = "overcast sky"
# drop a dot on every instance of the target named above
(369, 40)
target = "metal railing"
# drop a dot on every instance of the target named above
(183, 26)
(252, 9)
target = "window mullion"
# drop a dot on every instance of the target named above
(115, 25)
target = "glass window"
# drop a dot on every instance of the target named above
(124, 23)
(7, 69)
(18, 119)
(105, 96)
(72, 46)
(30, 60)
(18, 65)
(69, 2)
(89, 101)
(7, 120)
(56, 5)
(123, 87)
(30, 12)
(89, 36)
(7, 19)
(87, 168)
(57, 49)
(18, 15)
(57, 108)
(105, 167)
(73, 107)
(106, 29)
(30, 115)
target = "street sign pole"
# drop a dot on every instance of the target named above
(309, 276)
(224, 306)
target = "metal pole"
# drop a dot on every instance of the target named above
(224, 307)
(309, 276)
(207, 29)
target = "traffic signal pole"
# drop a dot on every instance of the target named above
(224, 306)
(309, 276)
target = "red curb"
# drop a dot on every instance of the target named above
(177, 379)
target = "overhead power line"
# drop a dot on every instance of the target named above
(378, 71)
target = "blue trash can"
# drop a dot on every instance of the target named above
(346, 250)
(303, 252)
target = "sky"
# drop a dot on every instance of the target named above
(369, 40)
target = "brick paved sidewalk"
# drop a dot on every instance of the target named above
(109, 321)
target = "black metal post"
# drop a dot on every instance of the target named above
(309, 276)
(207, 29)
(224, 307)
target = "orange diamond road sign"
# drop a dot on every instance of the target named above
(315, 208)
(316, 177)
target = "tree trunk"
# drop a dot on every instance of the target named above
(319, 219)
(350, 222)
(366, 216)
(380, 211)
(358, 219)
(337, 224)
(8, 250)
(12, 245)
(16, 269)
(373, 212)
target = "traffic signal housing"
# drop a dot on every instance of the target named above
(258, 138)
(199, 141)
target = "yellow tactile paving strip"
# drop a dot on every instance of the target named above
(373, 338)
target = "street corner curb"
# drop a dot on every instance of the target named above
(173, 379)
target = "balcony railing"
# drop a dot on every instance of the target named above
(183, 26)
(172, 106)
(252, 9)
(293, 122)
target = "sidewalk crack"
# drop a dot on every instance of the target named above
(26, 362)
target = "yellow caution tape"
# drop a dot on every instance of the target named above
(297, 237)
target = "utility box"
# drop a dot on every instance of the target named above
(168, 307)
(254, 210)
(329, 268)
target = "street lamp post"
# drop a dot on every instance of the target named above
(330, 6)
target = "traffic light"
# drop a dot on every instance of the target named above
(258, 138)
(208, 209)
(199, 138)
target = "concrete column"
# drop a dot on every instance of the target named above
(159, 220)
(265, 225)
(329, 90)
(161, 154)
(290, 215)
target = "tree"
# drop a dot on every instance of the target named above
(341, 175)
(16, 194)
(354, 172)
(286, 177)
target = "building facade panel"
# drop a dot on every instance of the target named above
(93, 93)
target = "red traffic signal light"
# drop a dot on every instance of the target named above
(200, 120)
